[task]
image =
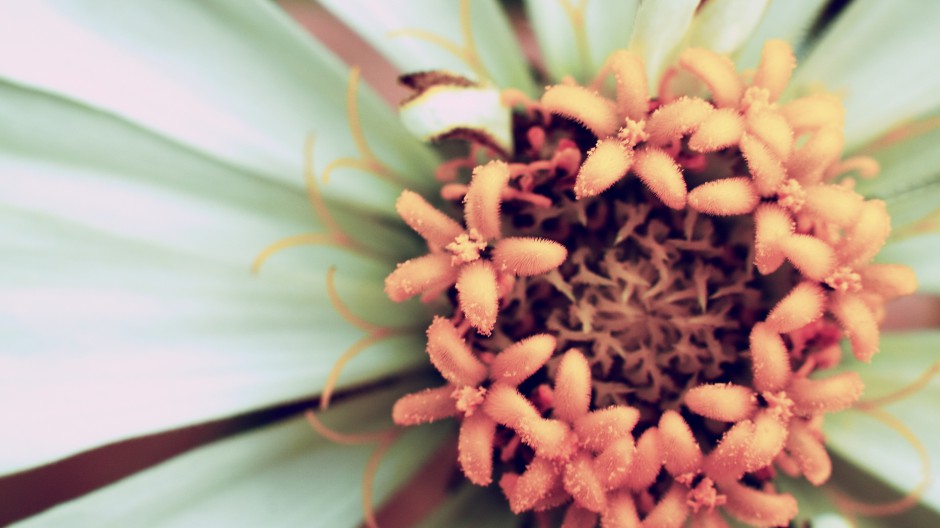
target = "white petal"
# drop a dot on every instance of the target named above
(282, 475)
(397, 28)
(658, 28)
(789, 20)
(724, 25)
(879, 57)
(606, 28)
(238, 81)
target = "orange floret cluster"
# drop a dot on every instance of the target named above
(718, 449)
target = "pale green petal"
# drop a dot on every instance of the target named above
(724, 26)
(789, 20)
(282, 475)
(880, 57)
(660, 27)
(397, 28)
(473, 507)
(910, 174)
(238, 81)
(878, 449)
(606, 28)
(920, 253)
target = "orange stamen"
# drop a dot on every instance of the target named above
(434, 226)
(826, 395)
(727, 460)
(427, 273)
(776, 65)
(516, 363)
(833, 203)
(525, 490)
(598, 429)
(583, 485)
(528, 256)
(813, 112)
(671, 511)
(766, 443)
(612, 465)
(888, 280)
(662, 176)
(647, 461)
(866, 237)
(764, 166)
(596, 113)
(605, 165)
(814, 258)
(572, 386)
(859, 324)
(809, 453)
(427, 406)
(681, 452)
(721, 129)
(577, 517)
(451, 356)
(478, 295)
(482, 202)
(475, 448)
(632, 89)
(808, 164)
(621, 512)
(716, 72)
(724, 402)
(800, 307)
(773, 129)
(676, 119)
(769, 359)
(725, 197)
(772, 224)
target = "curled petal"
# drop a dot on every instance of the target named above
(721, 129)
(681, 452)
(434, 226)
(482, 202)
(769, 359)
(572, 386)
(516, 363)
(451, 356)
(662, 176)
(583, 485)
(757, 507)
(420, 275)
(478, 295)
(475, 448)
(673, 120)
(859, 324)
(429, 405)
(814, 258)
(597, 429)
(528, 256)
(827, 395)
(724, 402)
(596, 113)
(803, 305)
(725, 197)
(605, 165)
(716, 72)
(776, 65)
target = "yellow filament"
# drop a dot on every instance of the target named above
(334, 239)
(906, 392)
(342, 309)
(575, 14)
(466, 52)
(368, 479)
(912, 497)
(344, 438)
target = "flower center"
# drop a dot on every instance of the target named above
(642, 292)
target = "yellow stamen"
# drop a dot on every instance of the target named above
(662, 176)
(605, 165)
(716, 72)
(724, 402)
(672, 121)
(833, 203)
(478, 295)
(800, 307)
(776, 65)
(681, 451)
(434, 226)
(484, 195)
(572, 386)
(475, 448)
(725, 197)
(451, 356)
(590, 109)
(764, 166)
(528, 256)
(720, 130)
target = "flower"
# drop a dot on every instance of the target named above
(168, 172)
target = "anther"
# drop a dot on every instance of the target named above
(776, 65)
(475, 448)
(725, 197)
(803, 305)
(451, 356)
(482, 202)
(434, 226)
(662, 176)
(724, 402)
(528, 256)
(605, 165)
(765, 168)
(431, 272)
(726, 461)
(590, 109)
(681, 452)
(720, 130)
(478, 295)
(672, 121)
(516, 363)
(827, 395)
(429, 405)
(814, 258)
(716, 72)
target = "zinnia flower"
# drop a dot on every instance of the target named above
(650, 293)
